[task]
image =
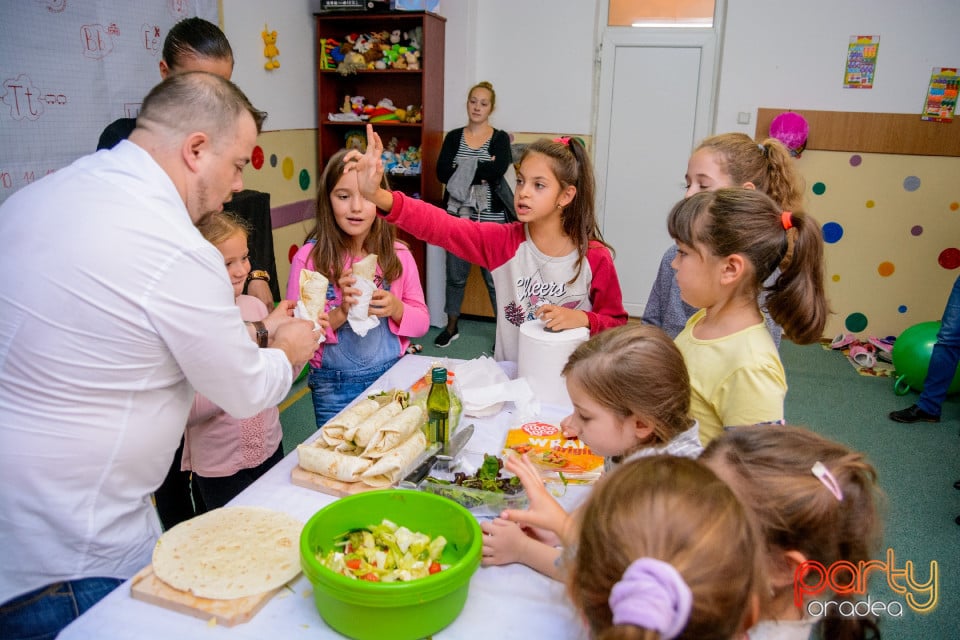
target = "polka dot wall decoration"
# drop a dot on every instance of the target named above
(287, 168)
(916, 230)
(911, 183)
(855, 160)
(304, 179)
(273, 160)
(832, 232)
(856, 322)
(256, 157)
(819, 188)
(885, 269)
(949, 258)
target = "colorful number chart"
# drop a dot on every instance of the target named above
(941, 98)
(861, 62)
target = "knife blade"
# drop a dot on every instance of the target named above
(457, 442)
(446, 454)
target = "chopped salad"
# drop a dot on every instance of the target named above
(385, 553)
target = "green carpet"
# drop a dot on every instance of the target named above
(917, 464)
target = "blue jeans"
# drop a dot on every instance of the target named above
(332, 389)
(42, 614)
(945, 356)
(458, 270)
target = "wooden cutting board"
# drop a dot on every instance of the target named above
(310, 480)
(149, 588)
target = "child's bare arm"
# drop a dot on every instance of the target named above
(505, 542)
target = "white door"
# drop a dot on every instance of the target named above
(655, 104)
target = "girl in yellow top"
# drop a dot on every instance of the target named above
(729, 242)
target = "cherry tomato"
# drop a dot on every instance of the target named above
(353, 563)
(434, 567)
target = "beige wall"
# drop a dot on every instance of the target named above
(892, 264)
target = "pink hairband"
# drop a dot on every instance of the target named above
(564, 140)
(823, 475)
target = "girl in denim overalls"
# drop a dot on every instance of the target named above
(348, 229)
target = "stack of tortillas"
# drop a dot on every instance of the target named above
(369, 442)
(230, 553)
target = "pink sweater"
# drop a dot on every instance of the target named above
(215, 444)
(523, 276)
(416, 317)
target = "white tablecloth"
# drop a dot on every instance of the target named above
(504, 602)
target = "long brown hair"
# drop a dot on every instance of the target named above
(770, 468)
(749, 223)
(571, 165)
(678, 511)
(768, 165)
(332, 244)
(636, 370)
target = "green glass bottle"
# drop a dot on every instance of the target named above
(438, 407)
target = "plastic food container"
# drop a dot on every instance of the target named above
(398, 610)
(477, 501)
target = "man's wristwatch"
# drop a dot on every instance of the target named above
(258, 274)
(262, 334)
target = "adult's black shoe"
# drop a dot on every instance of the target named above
(912, 414)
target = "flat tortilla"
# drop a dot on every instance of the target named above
(313, 292)
(230, 553)
(394, 432)
(332, 433)
(366, 268)
(388, 468)
(360, 435)
(332, 464)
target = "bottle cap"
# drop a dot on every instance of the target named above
(439, 374)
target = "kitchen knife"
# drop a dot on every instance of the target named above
(447, 453)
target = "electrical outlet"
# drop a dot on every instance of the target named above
(743, 117)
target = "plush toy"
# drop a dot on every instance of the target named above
(355, 139)
(791, 129)
(413, 60)
(352, 62)
(413, 113)
(270, 50)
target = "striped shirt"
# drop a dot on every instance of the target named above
(480, 192)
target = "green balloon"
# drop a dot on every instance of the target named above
(911, 357)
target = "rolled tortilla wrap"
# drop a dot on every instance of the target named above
(332, 464)
(366, 268)
(360, 435)
(313, 292)
(395, 432)
(333, 431)
(388, 468)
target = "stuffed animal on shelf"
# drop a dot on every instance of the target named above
(270, 51)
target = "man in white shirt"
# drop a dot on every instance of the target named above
(114, 310)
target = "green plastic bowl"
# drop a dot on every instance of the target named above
(398, 610)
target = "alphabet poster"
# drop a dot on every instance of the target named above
(941, 97)
(68, 68)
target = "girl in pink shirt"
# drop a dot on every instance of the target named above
(347, 229)
(227, 454)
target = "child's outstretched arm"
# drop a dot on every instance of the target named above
(506, 543)
(544, 511)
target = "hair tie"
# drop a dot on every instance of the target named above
(564, 140)
(823, 475)
(786, 219)
(652, 594)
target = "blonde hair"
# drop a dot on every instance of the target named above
(770, 469)
(220, 226)
(636, 369)
(750, 223)
(678, 511)
(768, 165)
